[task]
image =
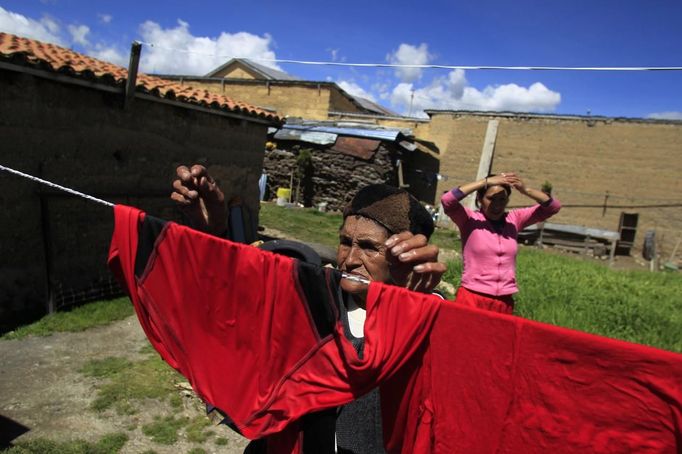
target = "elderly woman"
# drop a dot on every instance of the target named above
(384, 237)
(489, 235)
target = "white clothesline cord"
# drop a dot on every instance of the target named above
(56, 186)
(395, 65)
(350, 277)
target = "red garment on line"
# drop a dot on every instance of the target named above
(235, 321)
(493, 383)
(504, 304)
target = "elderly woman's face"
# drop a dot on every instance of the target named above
(362, 252)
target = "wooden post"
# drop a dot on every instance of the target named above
(487, 154)
(606, 199)
(134, 63)
(401, 177)
(47, 246)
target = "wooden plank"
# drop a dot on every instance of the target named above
(485, 164)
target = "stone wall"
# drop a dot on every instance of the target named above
(336, 177)
(84, 139)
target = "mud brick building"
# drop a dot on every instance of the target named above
(70, 119)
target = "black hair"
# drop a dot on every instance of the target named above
(481, 192)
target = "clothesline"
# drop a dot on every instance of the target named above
(344, 275)
(415, 66)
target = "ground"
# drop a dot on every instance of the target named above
(41, 388)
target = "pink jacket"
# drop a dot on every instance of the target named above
(489, 249)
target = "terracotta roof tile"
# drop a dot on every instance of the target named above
(50, 57)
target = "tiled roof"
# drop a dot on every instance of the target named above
(52, 58)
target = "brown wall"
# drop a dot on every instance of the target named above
(82, 138)
(637, 162)
(340, 103)
(307, 101)
(235, 73)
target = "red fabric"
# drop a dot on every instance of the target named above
(503, 304)
(232, 320)
(502, 384)
(453, 379)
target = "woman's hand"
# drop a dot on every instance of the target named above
(200, 198)
(508, 178)
(413, 262)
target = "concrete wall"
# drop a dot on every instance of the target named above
(83, 138)
(637, 162)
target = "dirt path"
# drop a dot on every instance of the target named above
(41, 388)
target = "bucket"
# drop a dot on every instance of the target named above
(283, 196)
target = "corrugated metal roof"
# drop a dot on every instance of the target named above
(381, 134)
(373, 107)
(320, 138)
(359, 148)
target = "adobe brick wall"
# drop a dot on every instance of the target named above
(307, 101)
(637, 162)
(83, 138)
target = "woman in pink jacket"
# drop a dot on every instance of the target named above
(489, 235)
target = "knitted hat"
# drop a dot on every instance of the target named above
(396, 209)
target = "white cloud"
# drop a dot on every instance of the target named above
(110, 54)
(79, 34)
(410, 55)
(455, 93)
(355, 90)
(666, 115)
(45, 29)
(105, 18)
(177, 51)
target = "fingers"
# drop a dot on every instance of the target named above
(183, 194)
(426, 276)
(404, 242)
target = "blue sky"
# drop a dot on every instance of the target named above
(501, 33)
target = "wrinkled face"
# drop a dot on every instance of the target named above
(362, 252)
(494, 202)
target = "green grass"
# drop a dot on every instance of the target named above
(306, 224)
(79, 319)
(109, 444)
(637, 306)
(196, 430)
(221, 441)
(164, 430)
(125, 383)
